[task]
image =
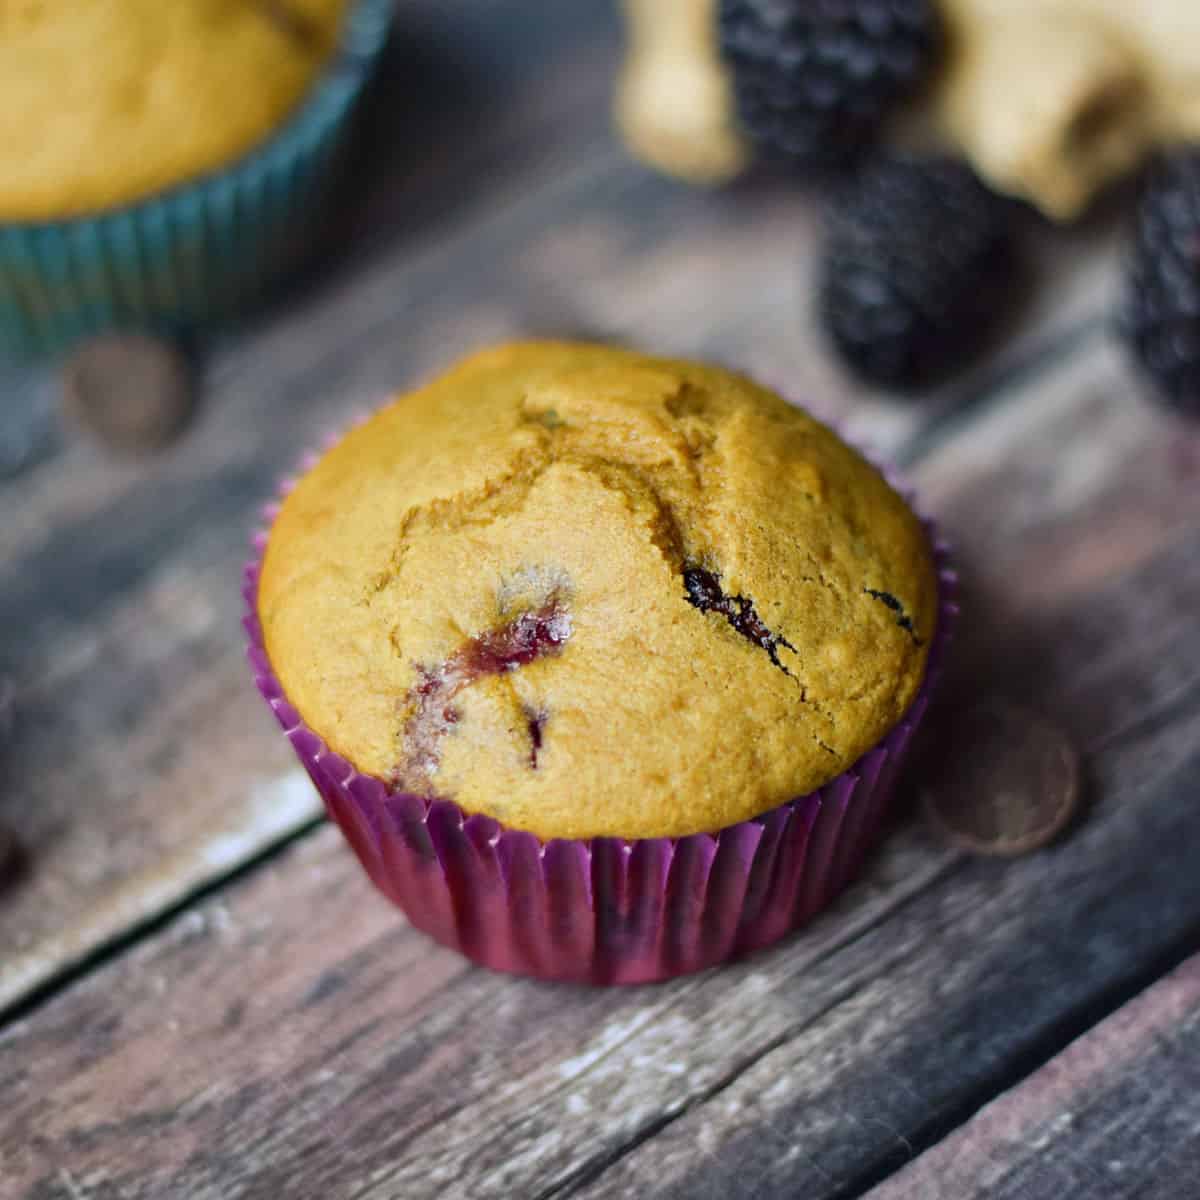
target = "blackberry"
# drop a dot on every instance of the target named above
(918, 267)
(814, 78)
(1160, 311)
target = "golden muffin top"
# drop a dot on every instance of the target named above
(589, 592)
(108, 101)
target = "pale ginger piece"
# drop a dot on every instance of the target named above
(1053, 99)
(674, 102)
(1165, 34)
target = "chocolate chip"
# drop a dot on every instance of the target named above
(1007, 781)
(132, 391)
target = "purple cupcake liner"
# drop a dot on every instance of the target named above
(604, 910)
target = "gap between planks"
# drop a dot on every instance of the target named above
(1067, 1127)
(43, 991)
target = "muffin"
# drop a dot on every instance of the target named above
(168, 183)
(603, 662)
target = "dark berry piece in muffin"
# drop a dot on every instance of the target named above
(813, 79)
(432, 712)
(1160, 312)
(705, 593)
(918, 268)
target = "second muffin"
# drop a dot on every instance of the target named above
(591, 594)
(174, 178)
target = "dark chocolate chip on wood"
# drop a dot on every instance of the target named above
(132, 391)
(1006, 781)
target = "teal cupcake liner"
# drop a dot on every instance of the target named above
(203, 252)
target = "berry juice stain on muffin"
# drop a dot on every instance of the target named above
(590, 592)
(497, 651)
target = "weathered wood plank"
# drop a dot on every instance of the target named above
(318, 1045)
(1116, 1114)
(142, 767)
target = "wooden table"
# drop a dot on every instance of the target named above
(203, 997)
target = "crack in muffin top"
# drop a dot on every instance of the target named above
(676, 571)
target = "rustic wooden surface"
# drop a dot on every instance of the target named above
(1116, 1114)
(117, 576)
(204, 996)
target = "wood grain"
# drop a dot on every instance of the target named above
(1117, 1114)
(292, 1036)
(489, 200)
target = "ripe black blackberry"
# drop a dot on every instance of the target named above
(814, 78)
(1160, 312)
(919, 266)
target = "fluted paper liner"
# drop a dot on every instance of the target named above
(604, 910)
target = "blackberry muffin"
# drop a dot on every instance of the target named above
(569, 597)
(164, 183)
